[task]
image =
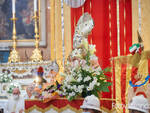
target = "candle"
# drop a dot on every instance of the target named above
(35, 5)
(13, 6)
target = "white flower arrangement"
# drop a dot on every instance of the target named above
(82, 77)
(84, 83)
(11, 86)
(5, 77)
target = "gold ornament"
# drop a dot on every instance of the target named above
(14, 56)
(36, 54)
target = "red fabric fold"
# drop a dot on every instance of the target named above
(59, 103)
(128, 24)
(123, 85)
(122, 26)
(113, 12)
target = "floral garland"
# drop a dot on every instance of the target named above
(26, 69)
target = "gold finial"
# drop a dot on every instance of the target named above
(36, 54)
(14, 56)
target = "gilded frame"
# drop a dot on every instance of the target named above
(25, 42)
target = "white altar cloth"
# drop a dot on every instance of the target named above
(3, 104)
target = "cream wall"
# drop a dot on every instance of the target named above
(145, 29)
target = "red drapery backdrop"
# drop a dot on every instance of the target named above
(105, 35)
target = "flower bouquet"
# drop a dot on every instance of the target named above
(83, 75)
(48, 92)
(12, 86)
(5, 77)
(84, 81)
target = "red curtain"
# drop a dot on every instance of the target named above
(104, 34)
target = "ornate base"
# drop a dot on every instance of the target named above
(14, 57)
(36, 56)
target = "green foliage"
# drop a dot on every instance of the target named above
(92, 84)
(5, 78)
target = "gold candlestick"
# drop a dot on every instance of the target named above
(36, 54)
(14, 56)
